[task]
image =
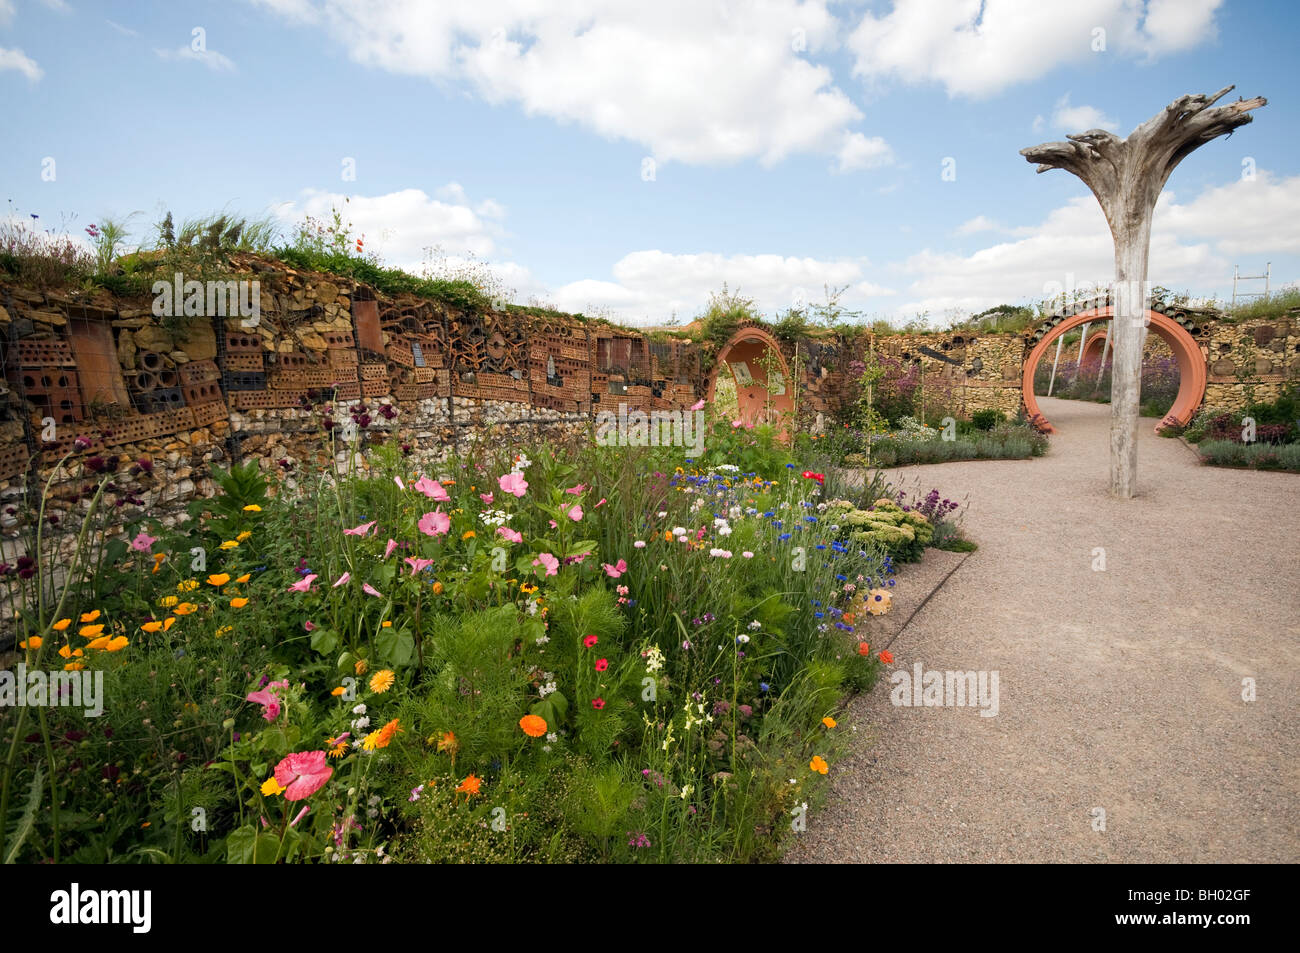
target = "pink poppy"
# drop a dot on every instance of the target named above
(600, 504)
(270, 704)
(417, 564)
(602, 664)
(617, 569)
(303, 584)
(388, 550)
(432, 489)
(301, 814)
(512, 535)
(370, 590)
(575, 512)
(436, 523)
(486, 498)
(143, 542)
(341, 580)
(400, 484)
(577, 490)
(309, 625)
(302, 774)
(554, 524)
(550, 562)
(513, 483)
(360, 530)
(698, 405)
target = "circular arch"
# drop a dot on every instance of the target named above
(745, 356)
(1191, 365)
(1093, 349)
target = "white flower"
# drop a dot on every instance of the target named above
(720, 553)
(747, 554)
(663, 513)
(639, 544)
(679, 530)
(360, 724)
(552, 737)
(360, 709)
(742, 639)
(542, 639)
(755, 625)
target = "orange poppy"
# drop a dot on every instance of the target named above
(470, 785)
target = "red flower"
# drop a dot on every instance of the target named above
(598, 703)
(887, 657)
(602, 664)
(589, 640)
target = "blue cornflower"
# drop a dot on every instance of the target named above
(784, 536)
(763, 686)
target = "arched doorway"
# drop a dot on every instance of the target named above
(750, 357)
(1187, 354)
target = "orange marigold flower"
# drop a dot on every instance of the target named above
(534, 726)
(437, 588)
(361, 666)
(238, 603)
(470, 785)
(382, 680)
(818, 764)
(386, 624)
(468, 534)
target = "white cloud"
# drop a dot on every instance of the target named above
(400, 226)
(124, 30)
(1069, 118)
(859, 152)
(16, 59)
(1192, 248)
(7, 10)
(979, 223)
(697, 82)
(980, 47)
(217, 62)
(651, 286)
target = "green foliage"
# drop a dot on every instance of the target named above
(986, 419)
(1256, 456)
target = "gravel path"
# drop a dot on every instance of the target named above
(1119, 689)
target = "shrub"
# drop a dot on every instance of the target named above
(986, 419)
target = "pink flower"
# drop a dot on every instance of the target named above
(360, 530)
(590, 640)
(747, 554)
(577, 490)
(370, 590)
(432, 489)
(301, 814)
(600, 504)
(602, 664)
(143, 542)
(436, 523)
(737, 424)
(550, 562)
(341, 580)
(575, 512)
(553, 524)
(639, 544)
(617, 569)
(303, 584)
(309, 625)
(513, 483)
(388, 550)
(417, 564)
(486, 498)
(400, 484)
(270, 704)
(302, 774)
(698, 405)
(511, 535)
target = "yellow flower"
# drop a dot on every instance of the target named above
(238, 603)
(61, 625)
(224, 630)
(90, 616)
(152, 626)
(252, 508)
(33, 643)
(185, 608)
(99, 643)
(336, 746)
(381, 738)
(187, 585)
(468, 534)
(818, 764)
(271, 787)
(828, 721)
(90, 631)
(386, 624)
(244, 578)
(168, 601)
(382, 680)
(230, 544)
(74, 666)
(219, 579)
(243, 536)
(118, 644)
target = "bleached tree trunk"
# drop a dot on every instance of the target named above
(1127, 176)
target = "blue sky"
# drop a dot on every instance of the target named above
(794, 144)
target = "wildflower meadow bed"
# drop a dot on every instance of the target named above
(547, 654)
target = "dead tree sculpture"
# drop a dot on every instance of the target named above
(1126, 176)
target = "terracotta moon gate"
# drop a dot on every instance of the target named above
(749, 355)
(1187, 353)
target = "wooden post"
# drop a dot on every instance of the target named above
(1104, 348)
(1083, 337)
(1057, 360)
(1127, 176)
